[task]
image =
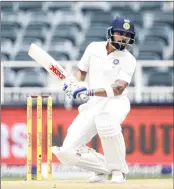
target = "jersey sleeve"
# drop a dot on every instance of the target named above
(83, 64)
(127, 70)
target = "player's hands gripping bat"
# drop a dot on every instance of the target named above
(76, 91)
(44, 59)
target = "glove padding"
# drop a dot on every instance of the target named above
(73, 88)
(69, 84)
(81, 89)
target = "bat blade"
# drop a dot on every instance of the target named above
(44, 59)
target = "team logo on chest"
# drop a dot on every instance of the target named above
(115, 62)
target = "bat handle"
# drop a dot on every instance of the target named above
(83, 96)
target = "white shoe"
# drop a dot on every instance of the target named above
(98, 178)
(118, 177)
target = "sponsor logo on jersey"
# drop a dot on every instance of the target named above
(116, 61)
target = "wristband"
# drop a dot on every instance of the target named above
(91, 92)
(109, 91)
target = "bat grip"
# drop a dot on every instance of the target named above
(83, 96)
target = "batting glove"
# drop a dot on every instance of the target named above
(82, 90)
(69, 85)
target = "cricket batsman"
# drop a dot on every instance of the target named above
(110, 67)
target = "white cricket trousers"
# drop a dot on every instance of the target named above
(83, 128)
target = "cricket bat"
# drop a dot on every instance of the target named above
(51, 65)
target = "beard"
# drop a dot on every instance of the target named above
(119, 45)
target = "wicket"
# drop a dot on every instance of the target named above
(39, 137)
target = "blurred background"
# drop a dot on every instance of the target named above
(64, 29)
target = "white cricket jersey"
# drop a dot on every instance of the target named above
(104, 69)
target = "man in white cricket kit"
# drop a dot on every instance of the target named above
(110, 68)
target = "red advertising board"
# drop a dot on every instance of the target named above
(148, 133)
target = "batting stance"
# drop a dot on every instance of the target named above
(110, 67)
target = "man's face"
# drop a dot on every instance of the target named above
(122, 37)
